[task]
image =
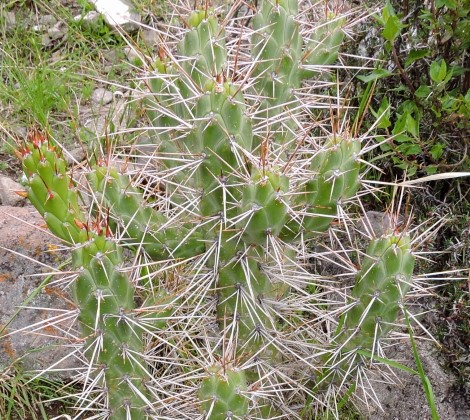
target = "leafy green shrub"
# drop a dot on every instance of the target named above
(426, 84)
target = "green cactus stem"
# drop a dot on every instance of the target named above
(376, 298)
(204, 48)
(102, 291)
(222, 394)
(51, 191)
(334, 178)
(113, 344)
(262, 197)
(381, 284)
(282, 62)
(141, 223)
(323, 47)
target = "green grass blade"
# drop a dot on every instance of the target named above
(424, 379)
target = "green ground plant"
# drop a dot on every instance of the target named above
(47, 85)
(429, 104)
(193, 292)
(23, 397)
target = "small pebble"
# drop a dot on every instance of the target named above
(131, 54)
(47, 20)
(102, 96)
(8, 195)
(91, 18)
(10, 20)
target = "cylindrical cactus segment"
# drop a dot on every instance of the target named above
(262, 201)
(277, 51)
(323, 47)
(51, 192)
(381, 284)
(244, 291)
(163, 105)
(201, 59)
(217, 141)
(203, 49)
(282, 63)
(277, 48)
(103, 293)
(142, 224)
(222, 394)
(335, 178)
(105, 297)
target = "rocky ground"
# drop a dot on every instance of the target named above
(27, 250)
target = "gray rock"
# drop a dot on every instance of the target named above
(377, 223)
(132, 54)
(118, 14)
(19, 130)
(111, 56)
(150, 38)
(74, 156)
(59, 30)
(91, 18)
(108, 118)
(46, 41)
(26, 250)
(108, 69)
(10, 20)
(8, 195)
(102, 96)
(47, 20)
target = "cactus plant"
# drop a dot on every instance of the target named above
(218, 316)
(102, 291)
